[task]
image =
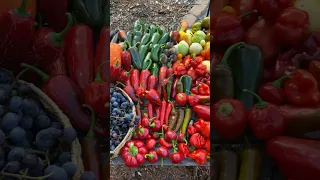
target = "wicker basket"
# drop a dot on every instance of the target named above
(128, 136)
(50, 106)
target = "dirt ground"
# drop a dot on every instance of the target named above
(122, 15)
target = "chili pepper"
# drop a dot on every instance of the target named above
(290, 33)
(145, 39)
(184, 149)
(152, 156)
(314, 69)
(193, 99)
(155, 125)
(179, 86)
(163, 152)
(195, 61)
(165, 38)
(201, 70)
(152, 29)
(125, 77)
(158, 113)
(133, 153)
(250, 164)
(180, 70)
(17, 26)
(136, 61)
(163, 111)
(164, 143)
(174, 36)
(199, 155)
(162, 76)
(270, 10)
(167, 113)
(144, 75)
(143, 133)
(153, 97)
(182, 138)
(137, 37)
(97, 94)
(138, 109)
(155, 135)
(152, 82)
(126, 60)
(169, 87)
(137, 26)
(150, 110)
(197, 140)
(155, 38)
(91, 148)
(305, 162)
(228, 165)
(176, 157)
(199, 125)
(204, 89)
(64, 92)
(151, 143)
(163, 90)
(143, 52)
(173, 117)
(302, 89)
(173, 90)
(186, 120)
(187, 61)
(229, 118)
(155, 69)
(180, 119)
(202, 111)
(115, 71)
(162, 29)
(129, 36)
(155, 52)
(204, 99)
(170, 136)
(273, 92)
(131, 92)
(181, 99)
(206, 130)
(79, 39)
(169, 71)
(192, 130)
(187, 83)
(135, 78)
(265, 119)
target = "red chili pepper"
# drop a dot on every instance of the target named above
(265, 119)
(164, 89)
(204, 89)
(170, 136)
(193, 99)
(152, 156)
(173, 89)
(158, 113)
(151, 143)
(143, 133)
(97, 94)
(144, 75)
(153, 97)
(54, 13)
(155, 126)
(102, 53)
(195, 90)
(272, 92)
(229, 118)
(169, 72)
(164, 143)
(162, 76)
(245, 6)
(135, 78)
(150, 110)
(201, 70)
(152, 82)
(180, 70)
(66, 94)
(79, 55)
(184, 149)
(181, 99)
(199, 155)
(207, 145)
(133, 153)
(182, 138)
(296, 158)
(17, 27)
(138, 109)
(289, 31)
(192, 73)
(163, 152)
(197, 140)
(262, 34)
(140, 91)
(202, 111)
(58, 67)
(163, 111)
(302, 89)
(270, 9)
(167, 114)
(192, 130)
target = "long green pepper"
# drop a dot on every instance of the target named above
(155, 37)
(155, 52)
(137, 25)
(136, 61)
(153, 28)
(143, 51)
(164, 39)
(136, 38)
(147, 62)
(145, 39)
(129, 36)
(155, 69)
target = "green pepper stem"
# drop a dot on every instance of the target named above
(133, 150)
(227, 54)
(22, 9)
(278, 83)
(45, 77)
(261, 103)
(247, 14)
(91, 134)
(98, 74)
(225, 109)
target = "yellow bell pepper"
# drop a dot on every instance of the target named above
(207, 46)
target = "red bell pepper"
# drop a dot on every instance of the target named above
(273, 92)
(201, 70)
(302, 89)
(289, 31)
(143, 133)
(204, 89)
(151, 143)
(125, 77)
(133, 153)
(65, 93)
(265, 119)
(191, 130)
(135, 78)
(153, 97)
(192, 73)
(181, 99)
(79, 55)
(152, 82)
(162, 76)
(184, 149)
(193, 99)
(207, 145)
(16, 33)
(155, 126)
(200, 156)
(115, 72)
(54, 13)
(143, 80)
(163, 152)
(152, 156)
(262, 34)
(196, 61)
(296, 158)
(202, 111)
(180, 70)
(197, 140)
(97, 94)
(270, 9)
(245, 6)
(102, 53)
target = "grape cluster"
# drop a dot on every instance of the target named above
(169, 54)
(121, 118)
(31, 137)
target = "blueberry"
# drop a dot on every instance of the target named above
(23, 89)
(131, 124)
(127, 117)
(88, 175)
(2, 110)
(7, 88)
(15, 104)
(5, 76)
(70, 168)
(16, 154)
(38, 170)
(10, 121)
(30, 107)
(26, 122)
(57, 173)
(64, 157)
(56, 133)
(112, 148)
(2, 137)
(137, 118)
(115, 104)
(57, 125)
(2, 153)
(44, 139)
(3, 96)
(131, 104)
(131, 115)
(12, 167)
(17, 134)
(29, 161)
(2, 163)
(69, 134)
(42, 122)
(113, 99)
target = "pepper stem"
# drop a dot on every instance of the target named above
(149, 155)
(133, 150)
(225, 109)
(57, 38)
(261, 103)
(278, 83)
(22, 9)
(98, 74)
(227, 54)
(91, 133)
(247, 14)
(45, 77)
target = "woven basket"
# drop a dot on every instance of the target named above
(50, 106)
(128, 136)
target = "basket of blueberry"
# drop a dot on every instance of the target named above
(123, 119)
(37, 141)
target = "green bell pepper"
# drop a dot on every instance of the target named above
(136, 61)
(147, 62)
(164, 39)
(155, 69)
(90, 12)
(187, 84)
